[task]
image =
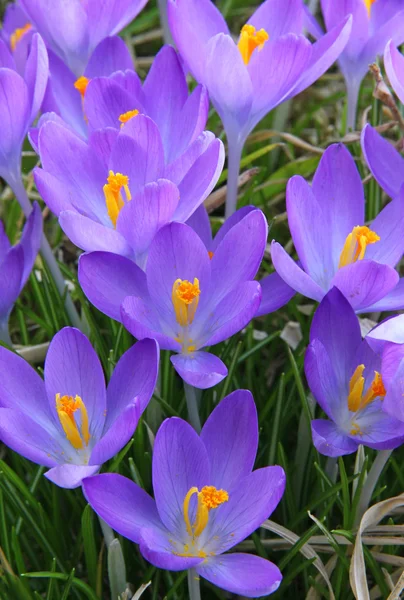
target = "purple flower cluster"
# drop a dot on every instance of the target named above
(125, 166)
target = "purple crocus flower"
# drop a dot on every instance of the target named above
(333, 245)
(73, 29)
(16, 264)
(374, 22)
(17, 33)
(70, 422)
(394, 65)
(275, 292)
(20, 101)
(116, 191)
(270, 63)
(344, 375)
(207, 499)
(185, 300)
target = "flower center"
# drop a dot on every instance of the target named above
(368, 4)
(17, 35)
(355, 245)
(81, 85)
(113, 194)
(357, 399)
(249, 40)
(185, 297)
(127, 116)
(208, 498)
(66, 407)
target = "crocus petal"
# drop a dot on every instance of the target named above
(193, 23)
(391, 29)
(14, 118)
(389, 225)
(176, 253)
(384, 161)
(117, 436)
(121, 503)
(6, 58)
(107, 279)
(293, 275)
(233, 313)
(108, 17)
(52, 191)
(111, 54)
(81, 375)
(36, 74)
(341, 343)
(5, 242)
(331, 441)
(278, 17)
(134, 376)
(230, 222)
(70, 476)
(365, 282)
(244, 574)
(393, 402)
(31, 240)
(380, 430)
(104, 102)
(394, 65)
(142, 321)
(334, 13)
(338, 189)
(389, 330)
(160, 550)
(275, 293)
(12, 269)
(394, 300)
(238, 257)
(191, 124)
(28, 438)
(102, 142)
(203, 370)
(392, 357)
(228, 82)
(231, 431)
(180, 462)
(251, 501)
(311, 237)
(147, 212)
(200, 223)
(91, 236)
(21, 388)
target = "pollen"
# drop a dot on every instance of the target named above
(187, 291)
(127, 116)
(18, 34)
(66, 407)
(113, 194)
(210, 254)
(185, 299)
(357, 399)
(212, 498)
(81, 85)
(355, 245)
(368, 4)
(251, 39)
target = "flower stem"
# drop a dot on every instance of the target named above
(47, 254)
(116, 562)
(193, 585)
(5, 334)
(370, 484)
(192, 406)
(234, 150)
(353, 88)
(162, 4)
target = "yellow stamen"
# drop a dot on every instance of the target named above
(185, 298)
(125, 117)
(208, 498)
(113, 194)
(356, 430)
(356, 399)
(66, 406)
(251, 39)
(17, 35)
(368, 4)
(210, 254)
(355, 245)
(81, 85)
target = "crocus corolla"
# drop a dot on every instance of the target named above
(207, 499)
(374, 22)
(16, 264)
(270, 63)
(344, 375)
(70, 422)
(384, 161)
(275, 292)
(394, 65)
(73, 29)
(115, 192)
(187, 298)
(17, 33)
(333, 244)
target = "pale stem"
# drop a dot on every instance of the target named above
(162, 4)
(5, 334)
(192, 406)
(353, 88)
(193, 585)
(371, 482)
(116, 562)
(47, 254)
(234, 151)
